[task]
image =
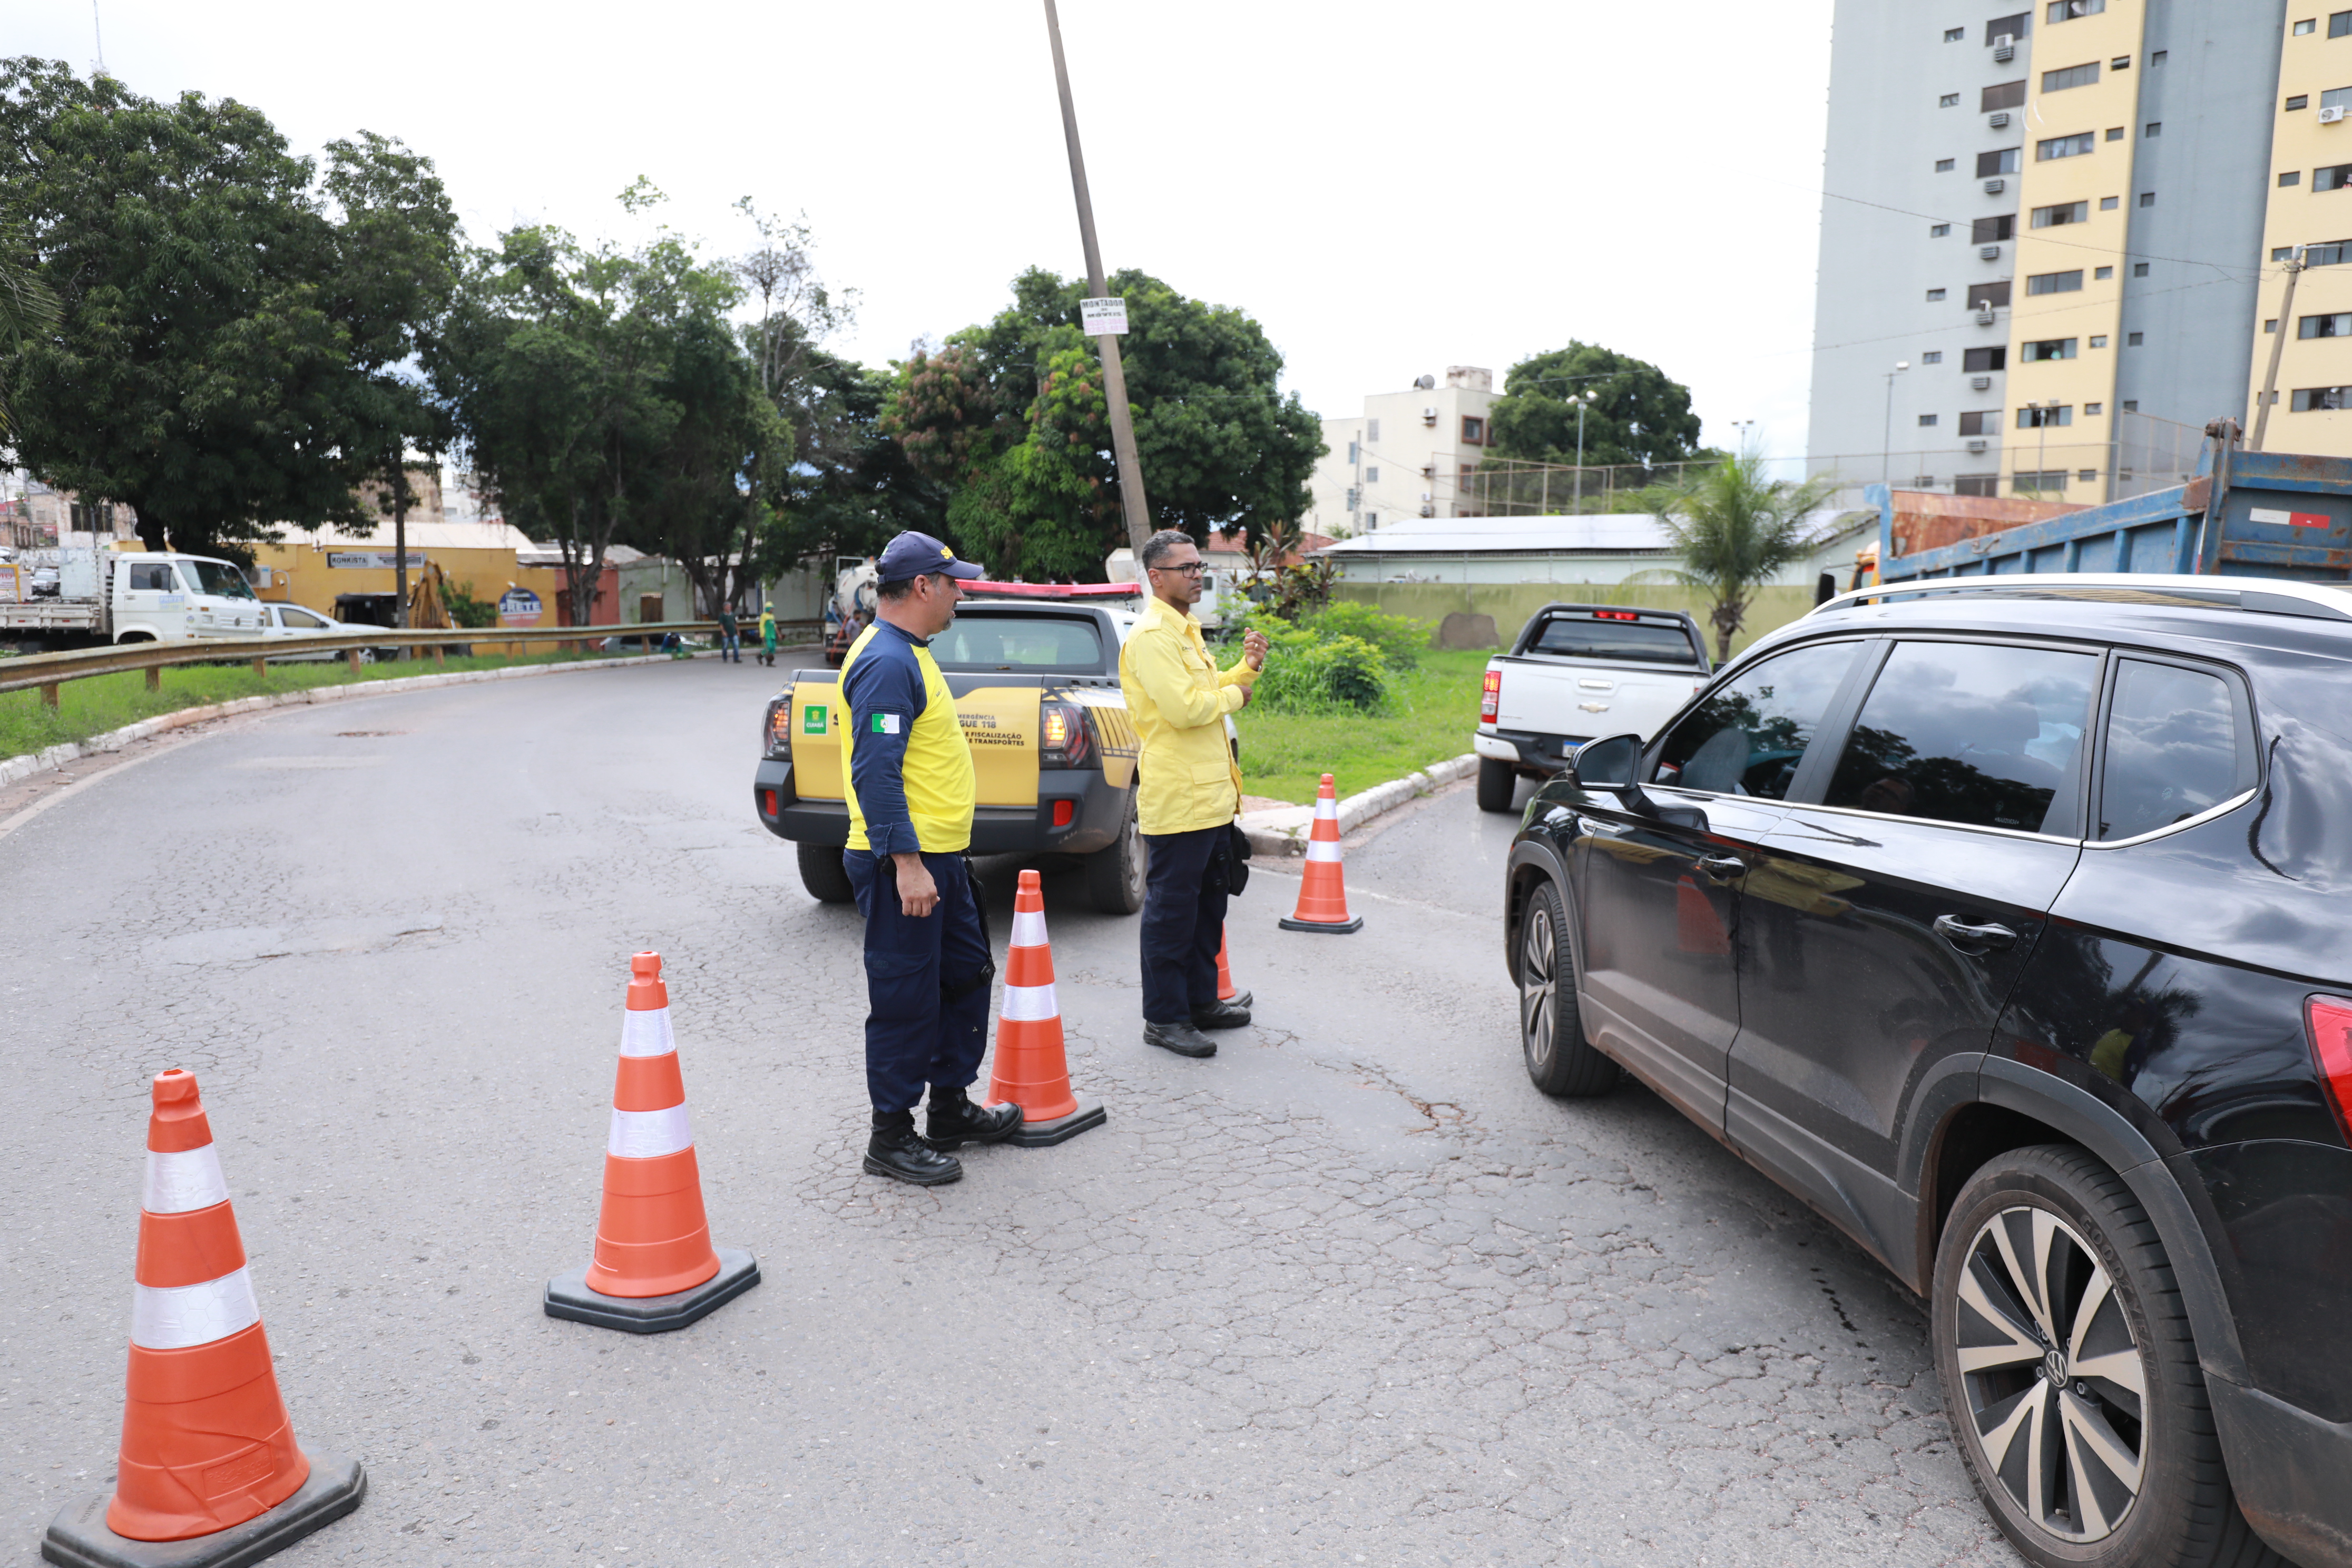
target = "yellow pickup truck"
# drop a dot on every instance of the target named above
(1033, 668)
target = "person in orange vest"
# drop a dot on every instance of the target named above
(1188, 790)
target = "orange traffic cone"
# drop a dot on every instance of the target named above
(1322, 891)
(1030, 1069)
(655, 1268)
(208, 1454)
(1226, 989)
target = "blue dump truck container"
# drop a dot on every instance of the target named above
(2246, 514)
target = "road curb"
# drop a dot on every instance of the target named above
(31, 762)
(1284, 830)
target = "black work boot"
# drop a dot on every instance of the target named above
(895, 1150)
(1221, 1015)
(1182, 1038)
(955, 1120)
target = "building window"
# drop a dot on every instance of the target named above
(2103, 274)
(2292, 177)
(1943, 166)
(1933, 356)
(2303, 27)
(1993, 294)
(1939, 230)
(1950, 101)
(2134, 340)
(2156, 128)
(1473, 430)
(2131, 405)
(2334, 177)
(2067, 10)
(1977, 485)
(2339, 24)
(2157, 58)
(2099, 342)
(2007, 27)
(2072, 75)
(2059, 147)
(2139, 268)
(1983, 422)
(2270, 325)
(2045, 349)
(2331, 253)
(2001, 95)
(2048, 482)
(2335, 326)
(2064, 211)
(2037, 418)
(2336, 98)
(1954, 35)
(2320, 399)
(2054, 282)
(2115, 132)
(2007, 160)
(2120, 63)
(1979, 361)
(1935, 295)
(1992, 230)
(2300, 100)
(1926, 421)
(1372, 475)
(1372, 431)
(2091, 408)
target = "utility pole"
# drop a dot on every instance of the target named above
(2293, 265)
(1886, 432)
(1122, 428)
(400, 536)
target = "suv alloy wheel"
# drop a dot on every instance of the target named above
(2070, 1376)
(1551, 1032)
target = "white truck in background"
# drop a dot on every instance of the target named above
(1577, 672)
(123, 596)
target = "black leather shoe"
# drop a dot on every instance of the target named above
(895, 1150)
(1182, 1038)
(955, 1120)
(1242, 999)
(1221, 1015)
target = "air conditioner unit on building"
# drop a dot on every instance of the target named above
(1975, 444)
(1998, 121)
(1994, 187)
(1980, 383)
(2004, 47)
(1429, 470)
(1984, 315)
(1989, 252)
(2331, 116)
(1429, 415)
(1923, 481)
(1429, 512)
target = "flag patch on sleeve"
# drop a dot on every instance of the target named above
(885, 723)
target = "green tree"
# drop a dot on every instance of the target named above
(27, 311)
(1733, 529)
(851, 486)
(1638, 414)
(231, 329)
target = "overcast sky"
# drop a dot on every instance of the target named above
(1389, 187)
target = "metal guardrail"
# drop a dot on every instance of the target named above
(47, 671)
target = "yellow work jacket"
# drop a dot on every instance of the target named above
(1178, 699)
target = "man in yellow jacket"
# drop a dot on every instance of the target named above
(1187, 792)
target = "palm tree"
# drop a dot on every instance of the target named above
(1733, 529)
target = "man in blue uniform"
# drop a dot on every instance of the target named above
(910, 798)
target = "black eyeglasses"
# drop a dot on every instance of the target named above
(1194, 570)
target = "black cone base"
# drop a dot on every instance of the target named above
(568, 1296)
(79, 1538)
(1061, 1129)
(1334, 928)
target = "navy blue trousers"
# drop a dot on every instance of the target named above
(1183, 921)
(913, 1034)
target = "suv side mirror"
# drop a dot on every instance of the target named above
(1610, 765)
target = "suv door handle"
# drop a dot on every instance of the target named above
(1974, 939)
(1722, 867)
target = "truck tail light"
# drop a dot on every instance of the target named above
(1065, 812)
(776, 728)
(767, 802)
(1490, 698)
(2331, 1042)
(1063, 739)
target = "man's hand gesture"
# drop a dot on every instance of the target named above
(1253, 648)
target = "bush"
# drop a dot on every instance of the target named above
(1400, 638)
(1308, 673)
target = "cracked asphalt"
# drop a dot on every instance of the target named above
(1352, 1292)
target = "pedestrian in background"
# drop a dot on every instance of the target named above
(1188, 790)
(911, 791)
(768, 634)
(730, 645)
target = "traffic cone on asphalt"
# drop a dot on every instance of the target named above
(1322, 891)
(654, 1268)
(1226, 989)
(208, 1454)
(1032, 1071)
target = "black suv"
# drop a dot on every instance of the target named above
(2009, 924)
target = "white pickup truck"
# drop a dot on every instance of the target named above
(108, 596)
(1578, 671)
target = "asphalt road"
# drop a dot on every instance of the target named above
(1352, 1292)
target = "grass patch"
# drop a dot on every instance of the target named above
(104, 702)
(1433, 711)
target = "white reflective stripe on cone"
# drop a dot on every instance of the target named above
(1028, 929)
(173, 1317)
(1322, 850)
(1030, 1003)
(185, 1179)
(649, 1135)
(647, 1033)
(1326, 808)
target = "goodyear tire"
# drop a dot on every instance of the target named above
(1551, 1031)
(1115, 872)
(822, 875)
(1498, 783)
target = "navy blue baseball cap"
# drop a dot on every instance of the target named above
(912, 555)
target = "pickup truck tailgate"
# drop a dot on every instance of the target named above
(999, 715)
(1551, 697)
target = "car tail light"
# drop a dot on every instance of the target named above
(1490, 699)
(1616, 615)
(2331, 1042)
(1063, 739)
(776, 729)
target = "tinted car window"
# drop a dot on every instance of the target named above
(1749, 735)
(1626, 640)
(2172, 748)
(1020, 642)
(1970, 733)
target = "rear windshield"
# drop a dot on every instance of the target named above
(1634, 641)
(991, 641)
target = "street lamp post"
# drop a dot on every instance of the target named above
(1886, 431)
(1583, 400)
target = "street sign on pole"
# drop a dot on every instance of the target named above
(1103, 318)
